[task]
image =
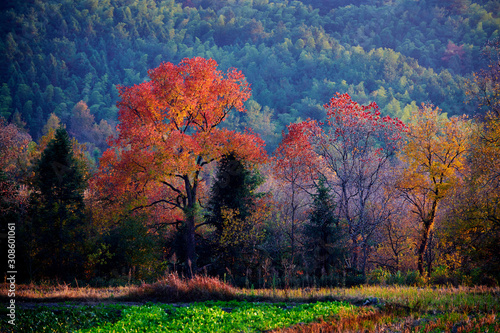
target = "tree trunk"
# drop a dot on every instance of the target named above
(189, 237)
(355, 252)
(423, 245)
(424, 241)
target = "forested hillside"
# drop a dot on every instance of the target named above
(57, 53)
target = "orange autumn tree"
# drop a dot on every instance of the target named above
(434, 158)
(169, 131)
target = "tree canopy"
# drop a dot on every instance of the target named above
(169, 131)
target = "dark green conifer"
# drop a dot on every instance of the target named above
(233, 188)
(324, 234)
(233, 191)
(58, 211)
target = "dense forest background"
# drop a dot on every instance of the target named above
(63, 61)
(295, 54)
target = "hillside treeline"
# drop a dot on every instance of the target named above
(55, 54)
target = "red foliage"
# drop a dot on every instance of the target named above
(168, 132)
(352, 149)
(348, 118)
(453, 50)
(295, 159)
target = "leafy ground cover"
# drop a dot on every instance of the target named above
(222, 308)
(209, 316)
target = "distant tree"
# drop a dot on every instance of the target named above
(485, 85)
(52, 123)
(5, 101)
(83, 127)
(81, 122)
(260, 121)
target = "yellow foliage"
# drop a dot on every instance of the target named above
(434, 160)
(435, 153)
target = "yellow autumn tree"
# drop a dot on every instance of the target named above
(473, 224)
(434, 157)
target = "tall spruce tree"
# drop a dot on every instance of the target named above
(229, 209)
(324, 235)
(58, 211)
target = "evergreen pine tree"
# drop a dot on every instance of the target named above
(233, 189)
(324, 234)
(58, 211)
(230, 206)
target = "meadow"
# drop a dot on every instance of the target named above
(206, 304)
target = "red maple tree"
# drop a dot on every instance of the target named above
(168, 132)
(352, 150)
(357, 146)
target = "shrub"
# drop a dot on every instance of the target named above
(397, 278)
(378, 276)
(442, 276)
(412, 278)
(355, 278)
(174, 288)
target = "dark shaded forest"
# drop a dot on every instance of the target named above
(421, 62)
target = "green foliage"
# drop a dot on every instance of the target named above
(288, 51)
(380, 276)
(130, 249)
(199, 317)
(210, 316)
(440, 276)
(62, 318)
(234, 188)
(57, 224)
(325, 237)
(62, 60)
(229, 210)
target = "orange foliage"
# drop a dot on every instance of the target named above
(168, 133)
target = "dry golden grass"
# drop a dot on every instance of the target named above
(64, 292)
(409, 309)
(172, 288)
(444, 299)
